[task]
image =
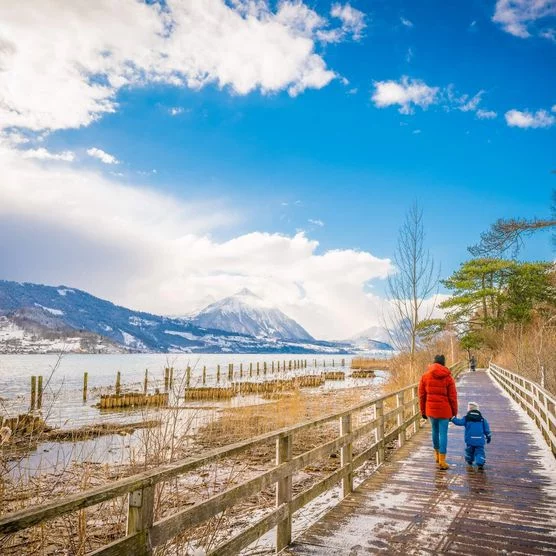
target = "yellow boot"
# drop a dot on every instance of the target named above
(436, 456)
(442, 462)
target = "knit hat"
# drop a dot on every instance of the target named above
(472, 405)
(440, 359)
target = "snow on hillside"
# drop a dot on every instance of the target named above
(374, 337)
(37, 318)
(246, 313)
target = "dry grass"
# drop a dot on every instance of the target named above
(370, 363)
(177, 437)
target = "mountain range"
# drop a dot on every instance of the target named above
(37, 318)
(246, 313)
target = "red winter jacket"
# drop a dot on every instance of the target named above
(437, 393)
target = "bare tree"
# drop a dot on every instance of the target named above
(415, 280)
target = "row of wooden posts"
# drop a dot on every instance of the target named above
(255, 369)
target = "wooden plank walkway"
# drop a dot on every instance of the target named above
(409, 507)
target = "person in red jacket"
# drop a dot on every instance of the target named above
(438, 400)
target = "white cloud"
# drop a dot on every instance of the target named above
(175, 111)
(407, 93)
(525, 119)
(410, 55)
(353, 20)
(416, 131)
(406, 22)
(316, 222)
(553, 109)
(517, 16)
(59, 76)
(470, 104)
(150, 251)
(486, 114)
(43, 154)
(103, 156)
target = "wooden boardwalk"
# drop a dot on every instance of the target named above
(409, 507)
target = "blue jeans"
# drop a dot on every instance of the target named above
(439, 434)
(475, 454)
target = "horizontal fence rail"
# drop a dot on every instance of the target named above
(539, 404)
(393, 415)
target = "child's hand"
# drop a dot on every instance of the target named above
(489, 438)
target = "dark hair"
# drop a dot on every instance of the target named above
(440, 359)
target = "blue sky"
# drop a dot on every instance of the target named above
(342, 158)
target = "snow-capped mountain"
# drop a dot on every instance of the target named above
(246, 313)
(372, 338)
(37, 319)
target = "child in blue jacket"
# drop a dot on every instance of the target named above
(476, 431)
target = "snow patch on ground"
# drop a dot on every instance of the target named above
(64, 291)
(186, 335)
(56, 312)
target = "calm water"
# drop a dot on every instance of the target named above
(63, 406)
(63, 378)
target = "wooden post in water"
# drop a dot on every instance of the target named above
(204, 375)
(146, 381)
(118, 383)
(343, 362)
(33, 392)
(290, 365)
(217, 373)
(264, 368)
(241, 370)
(272, 367)
(230, 372)
(39, 392)
(284, 492)
(85, 381)
(250, 369)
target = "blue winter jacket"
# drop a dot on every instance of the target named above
(476, 428)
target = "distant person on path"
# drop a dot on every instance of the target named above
(438, 400)
(477, 430)
(472, 363)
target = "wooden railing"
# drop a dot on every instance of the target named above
(392, 416)
(539, 404)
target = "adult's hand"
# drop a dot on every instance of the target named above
(423, 416)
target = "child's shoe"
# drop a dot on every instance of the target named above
(436, 455)
(481, 466)
(470, 467)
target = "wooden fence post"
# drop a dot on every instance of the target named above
(379, 413)
(188, 377)
(85, 384)
(39, 392)
(118, 383)
(284, 492)
(346, 455)
(204, 375)
(416, 408)
(140, 516)
(166, 378)
(146, 382)
(401, 419)
(217, 373)
(33, 392)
